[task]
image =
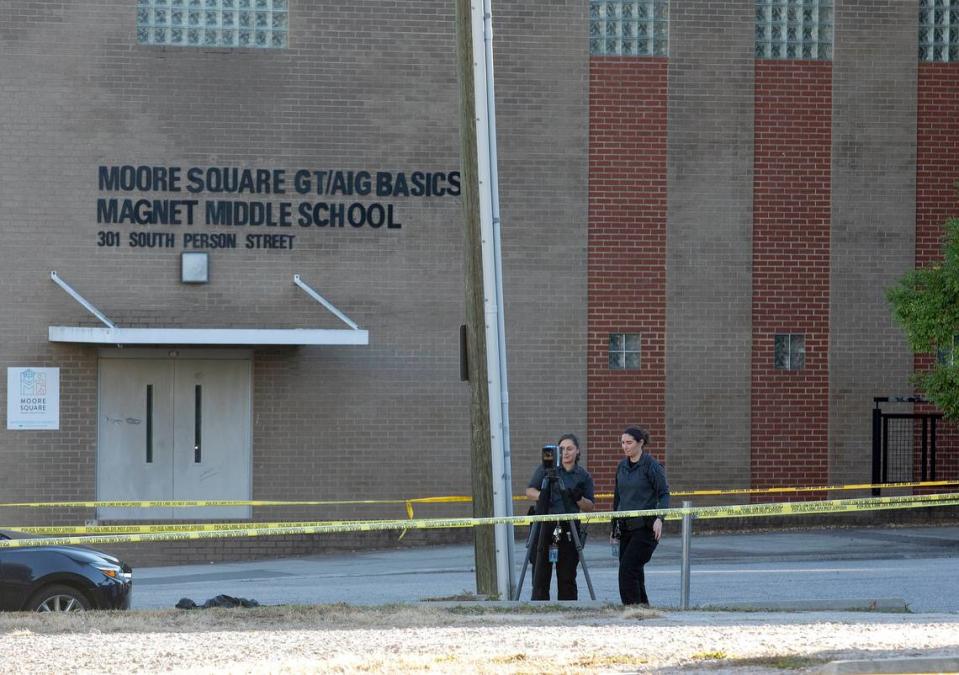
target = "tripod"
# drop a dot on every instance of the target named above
(550, 480)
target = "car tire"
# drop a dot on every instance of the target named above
(58, 599)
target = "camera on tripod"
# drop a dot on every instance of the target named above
(551, 459)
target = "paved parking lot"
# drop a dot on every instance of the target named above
(915, 564)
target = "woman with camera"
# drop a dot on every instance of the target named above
(570, 490)
(640, 485)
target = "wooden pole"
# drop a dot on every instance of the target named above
(480, 446)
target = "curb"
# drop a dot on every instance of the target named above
(891, 605)
(887, 605)
(521, 604)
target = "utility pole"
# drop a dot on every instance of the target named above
(481, 457)
(486, 355)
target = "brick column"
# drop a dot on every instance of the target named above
(791, 215)
(937, 170)
(627, 252)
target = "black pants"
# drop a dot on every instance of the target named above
(635, 549)
(565, 564)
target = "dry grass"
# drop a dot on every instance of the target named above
(639, 613)
(464, 596)
(779, 662)
(769, 663)
(610, 661)
(483, 637)
(339, 616)
(708, 656)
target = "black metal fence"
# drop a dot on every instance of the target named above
(895, 437)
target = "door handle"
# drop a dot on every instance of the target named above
(197, 423)
(149, 426)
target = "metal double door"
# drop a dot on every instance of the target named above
(173, 429)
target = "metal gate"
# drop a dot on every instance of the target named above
(895, 437)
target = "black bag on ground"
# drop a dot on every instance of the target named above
(226, 601)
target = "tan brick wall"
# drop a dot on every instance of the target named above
(361, 87)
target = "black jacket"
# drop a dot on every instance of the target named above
(639, 487)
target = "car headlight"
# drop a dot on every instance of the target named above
(114, 572)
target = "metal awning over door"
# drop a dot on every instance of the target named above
(110, 333)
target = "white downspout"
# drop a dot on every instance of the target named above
(501, 316)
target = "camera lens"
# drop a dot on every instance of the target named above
(550, 455)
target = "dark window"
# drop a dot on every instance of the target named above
(947, 355)
(790, 351)
(624, 349)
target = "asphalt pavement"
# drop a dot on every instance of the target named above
(810, 567)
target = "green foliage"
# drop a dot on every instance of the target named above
(941, 386)
(925, 303)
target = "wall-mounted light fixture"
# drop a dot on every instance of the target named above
(194, 267)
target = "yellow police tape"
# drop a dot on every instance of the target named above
(715, 493)
(702, 512)
(167, 527)
(824, 488)
(408, 503)
(178, 503)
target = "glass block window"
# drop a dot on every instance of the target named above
(790, 351)
(939, 30)
(213, 23)
(794, 29)
(628, 27)
(624, 351)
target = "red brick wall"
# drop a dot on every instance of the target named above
(937, 170)
(791, 222)
(627, 254)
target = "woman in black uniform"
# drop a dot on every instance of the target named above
(555, 537)
(640, 485)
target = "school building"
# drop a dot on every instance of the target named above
(232, 249)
